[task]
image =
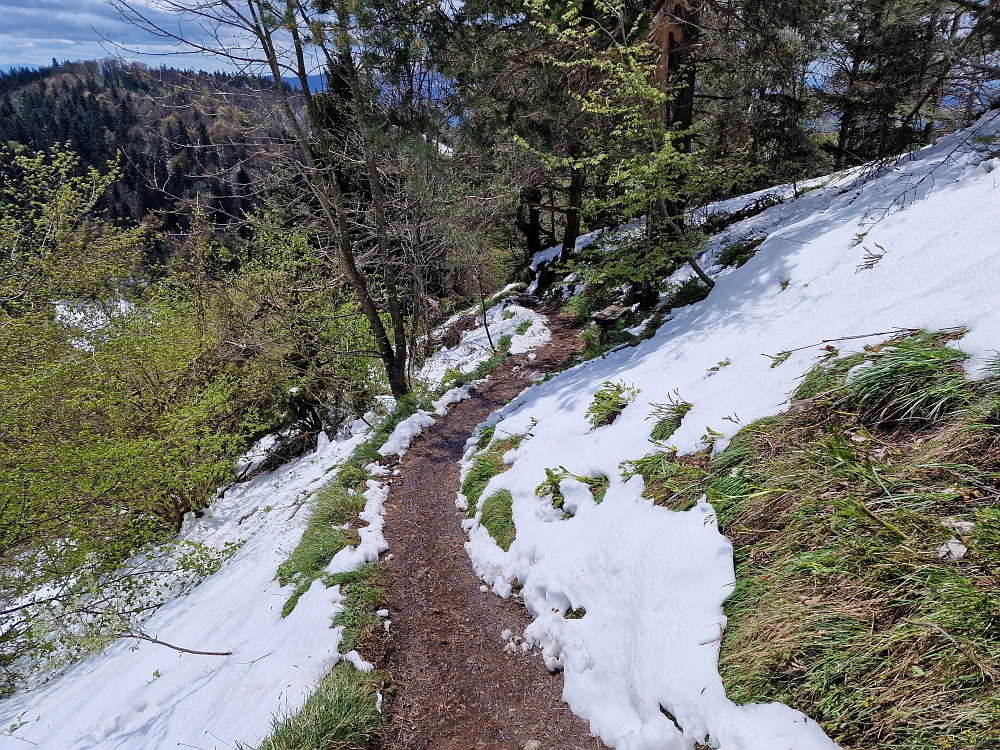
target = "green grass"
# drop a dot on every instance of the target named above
(363, 596)
(522, 327)
(553, 477)
(668, 417)
(486, 464)
(912, 379)
(497, 518)
(334, 506)
(339, 715)
(843, 608)
(609, 402)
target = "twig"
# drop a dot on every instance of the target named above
(151, 639)
(895, 332)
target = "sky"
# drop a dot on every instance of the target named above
(32, 32)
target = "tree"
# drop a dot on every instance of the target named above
(286, 39)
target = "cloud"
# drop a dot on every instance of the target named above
(33, 33)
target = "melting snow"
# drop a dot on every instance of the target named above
(652, 581)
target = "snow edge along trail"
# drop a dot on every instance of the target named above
(652, 581)
(139, 694)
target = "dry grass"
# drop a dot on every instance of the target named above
(843, 607)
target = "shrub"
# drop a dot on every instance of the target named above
(687, 293)
(735, 254)
(580, 307)
(609, 402)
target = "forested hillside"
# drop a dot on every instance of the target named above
(206, 276)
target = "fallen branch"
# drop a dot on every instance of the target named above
(151, 639)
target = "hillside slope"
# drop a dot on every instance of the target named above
(855, 260)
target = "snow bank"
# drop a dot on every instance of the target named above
(141, 695)
(652, 581)
(404, 433)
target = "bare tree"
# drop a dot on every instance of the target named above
(287, 39)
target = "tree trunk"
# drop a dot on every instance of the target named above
(577, 181)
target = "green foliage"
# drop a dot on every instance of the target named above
(668, 416)
(522, 327)
(335, 506)
(676, 484)
(485, 465)
(687, 293)
(912, 379)
(340, 714)
(362, 598)
(609, 402)
(550, 485)
(735, 254)
(486, 436)
(580, 307)
(497, 518)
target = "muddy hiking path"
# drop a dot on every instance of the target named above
(454, 687)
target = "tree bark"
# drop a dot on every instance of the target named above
(577, 182)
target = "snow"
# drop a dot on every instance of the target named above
(504, 318)
(652, 581)
(139, 694)
(404, 433)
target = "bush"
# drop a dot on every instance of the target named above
(687, 293)
(735, 254)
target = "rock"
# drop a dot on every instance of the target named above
(610, 314)
(532, 745)
(383, 613)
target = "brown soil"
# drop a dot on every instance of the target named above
(454, 686)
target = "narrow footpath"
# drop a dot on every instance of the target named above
(455, 688)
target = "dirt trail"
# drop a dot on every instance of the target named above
(455, 687)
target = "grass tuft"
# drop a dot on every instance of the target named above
(363, 595)
(485, 465)
(497, 518)
(340, 715)
(913, 379)
(843, 608)
(609, 402)
(668, 417)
